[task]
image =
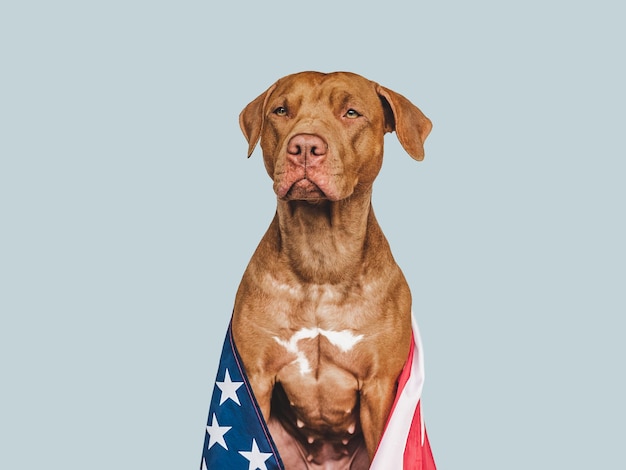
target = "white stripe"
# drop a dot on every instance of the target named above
(390, 453)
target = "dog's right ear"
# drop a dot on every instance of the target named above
(410, 124)
(252, 117)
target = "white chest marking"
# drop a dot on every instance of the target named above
(344, 340)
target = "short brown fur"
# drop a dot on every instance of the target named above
(324, 265)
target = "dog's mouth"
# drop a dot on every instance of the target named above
(305, 190)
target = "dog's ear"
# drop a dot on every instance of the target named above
(410, 124)
(252, 117)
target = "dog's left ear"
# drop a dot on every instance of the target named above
(252, 117)
(410, 124)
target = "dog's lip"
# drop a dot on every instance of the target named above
(304, 189)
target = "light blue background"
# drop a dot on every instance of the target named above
(128, 213)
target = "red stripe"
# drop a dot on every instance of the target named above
(416, 455)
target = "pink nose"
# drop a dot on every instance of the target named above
(306, 149)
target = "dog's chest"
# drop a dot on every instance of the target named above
(314, 347)
(323, 327)
(319, 377)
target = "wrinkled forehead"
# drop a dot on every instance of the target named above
(337, 88)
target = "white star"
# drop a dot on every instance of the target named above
(229, 389)
(257, 459)
(216, 433)
(204, 465)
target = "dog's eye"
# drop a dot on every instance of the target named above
(280, 111)
(352, 114)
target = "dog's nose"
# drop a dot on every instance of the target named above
(306, 149)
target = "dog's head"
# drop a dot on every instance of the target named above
(322, 134)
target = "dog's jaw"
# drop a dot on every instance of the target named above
(302, 190)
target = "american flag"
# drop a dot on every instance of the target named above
(237, 437)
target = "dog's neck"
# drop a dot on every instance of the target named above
(326, 241)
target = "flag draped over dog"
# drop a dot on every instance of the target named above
(237, 437)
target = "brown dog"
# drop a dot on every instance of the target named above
(322, 318)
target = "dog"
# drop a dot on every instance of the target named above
(322, 316)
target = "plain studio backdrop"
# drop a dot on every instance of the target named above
(128, 212)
